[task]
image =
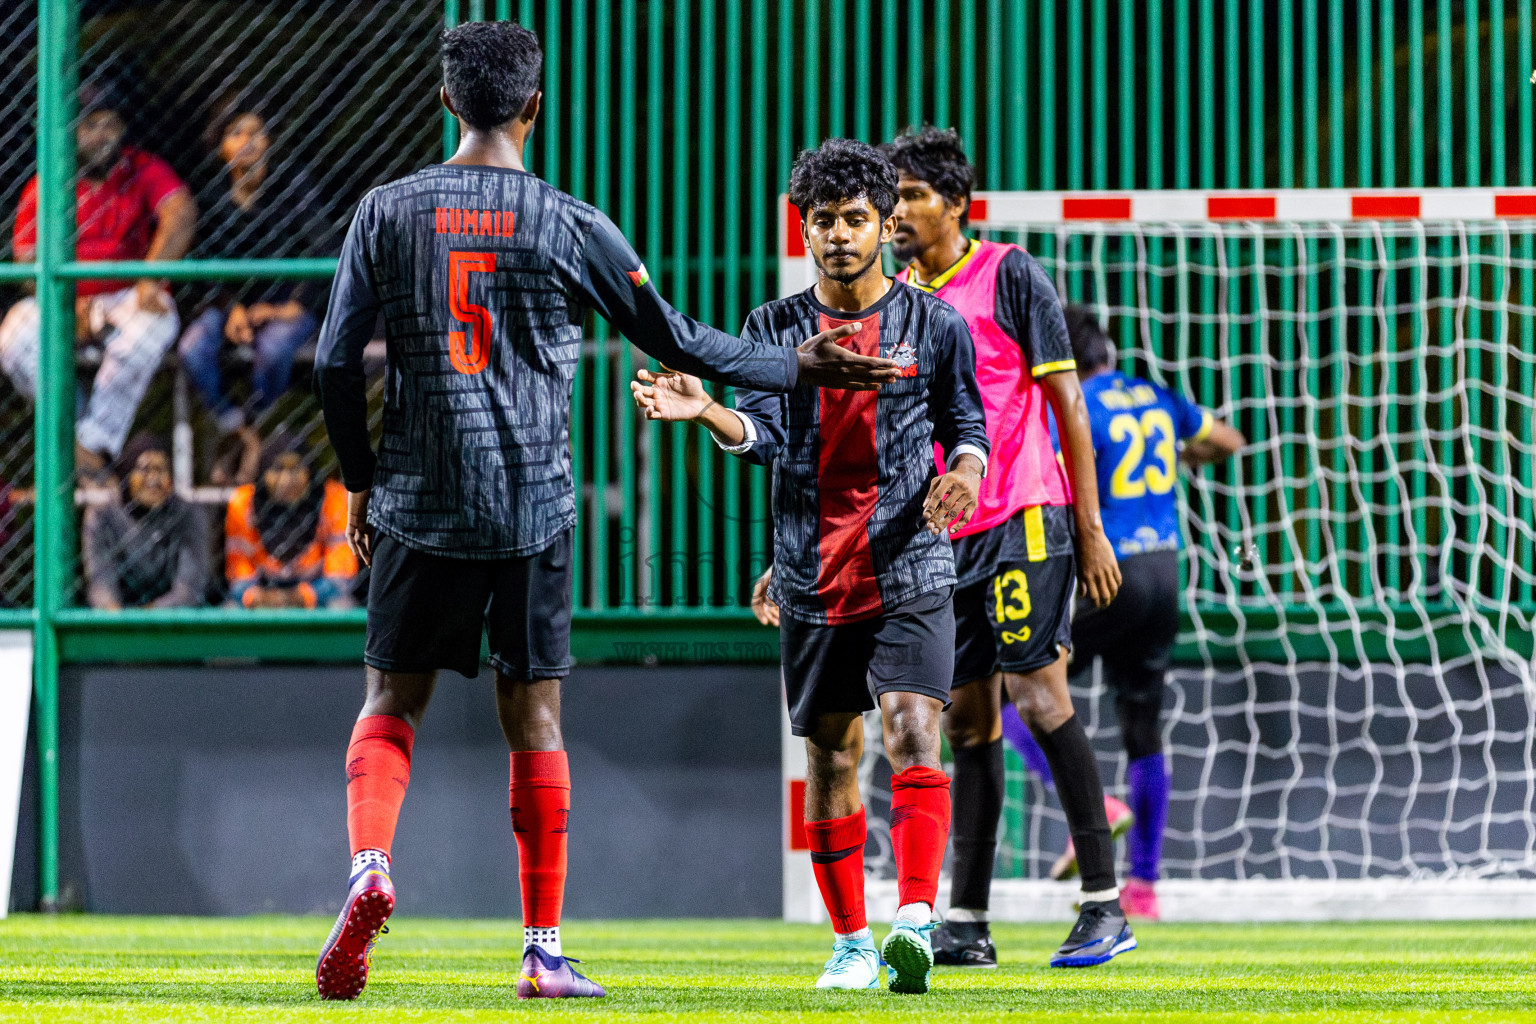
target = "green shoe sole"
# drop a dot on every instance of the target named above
(910, 961)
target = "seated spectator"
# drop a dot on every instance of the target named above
(259, 207)
(146, 548)
(129, 205)
(285, 536)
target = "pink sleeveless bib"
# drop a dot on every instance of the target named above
(1022, 469)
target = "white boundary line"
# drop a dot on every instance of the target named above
(1258, 900)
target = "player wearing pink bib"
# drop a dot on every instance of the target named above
(1036, 534)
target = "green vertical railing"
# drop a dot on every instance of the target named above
(54, 444)
(685, 117)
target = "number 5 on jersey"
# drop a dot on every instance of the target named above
(473, 355)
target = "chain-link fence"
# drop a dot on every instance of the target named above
(681, 119)
(208, 131)
(18, 114)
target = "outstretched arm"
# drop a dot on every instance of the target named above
(1221, 441)
(618, 286)
(752, 430)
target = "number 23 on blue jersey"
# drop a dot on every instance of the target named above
(1148, 464)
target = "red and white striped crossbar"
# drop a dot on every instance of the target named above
(999, 210)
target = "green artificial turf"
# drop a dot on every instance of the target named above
(78, 968)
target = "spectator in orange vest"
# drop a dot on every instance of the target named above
(285, 543)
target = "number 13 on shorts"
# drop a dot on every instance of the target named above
(1011, 589)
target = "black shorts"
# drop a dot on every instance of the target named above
(976, 558)
(1135, 634)
(831, 669)
(1030, 599)
(975, 642)
(427, 612)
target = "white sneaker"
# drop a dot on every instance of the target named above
(854, 965)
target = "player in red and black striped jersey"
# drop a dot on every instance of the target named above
(483, 275)
(863, 569)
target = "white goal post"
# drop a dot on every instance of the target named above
(1351, 723)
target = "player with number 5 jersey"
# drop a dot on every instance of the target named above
(484, 276)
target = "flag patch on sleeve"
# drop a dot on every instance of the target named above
(640, 277)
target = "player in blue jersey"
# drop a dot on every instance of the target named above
(484, 275)
(1141, 432)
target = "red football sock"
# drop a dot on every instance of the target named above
(378, 772)
(541, 804)
(837, 858)
(919, 831)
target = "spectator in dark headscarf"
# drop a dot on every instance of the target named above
(262, 205)
(285, 536)
(146, 547)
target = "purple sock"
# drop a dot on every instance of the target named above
(1018, 736)
(1148, 778)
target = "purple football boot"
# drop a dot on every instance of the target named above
(552, 977)
(342, 969)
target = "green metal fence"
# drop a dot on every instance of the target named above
(681, 119)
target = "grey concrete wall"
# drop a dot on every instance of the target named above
(221, 791)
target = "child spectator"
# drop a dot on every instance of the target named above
(285, 536)
(259, 207)
(129, 205)
(147, 547)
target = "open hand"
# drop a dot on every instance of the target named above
(669, 395)
(826, 364)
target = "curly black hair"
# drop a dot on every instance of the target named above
(840, 169)
(490, 68)
(935, 155)
(1090, 345)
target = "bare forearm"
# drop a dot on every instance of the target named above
(721, 422)
(1072, 426)
(1222, 442)
(176, 219)
(967, 463)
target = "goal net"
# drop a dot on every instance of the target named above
(1354, 696)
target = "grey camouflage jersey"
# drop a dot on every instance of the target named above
(483, 276)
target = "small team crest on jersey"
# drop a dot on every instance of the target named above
(640, 277)
(905, 356)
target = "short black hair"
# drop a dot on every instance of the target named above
(490, 69)
(840, 169)
(935, 155)
(105, 93)
(229, 108)
(1090, 345)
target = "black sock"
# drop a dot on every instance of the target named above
(1082, 799)
(976, 794)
